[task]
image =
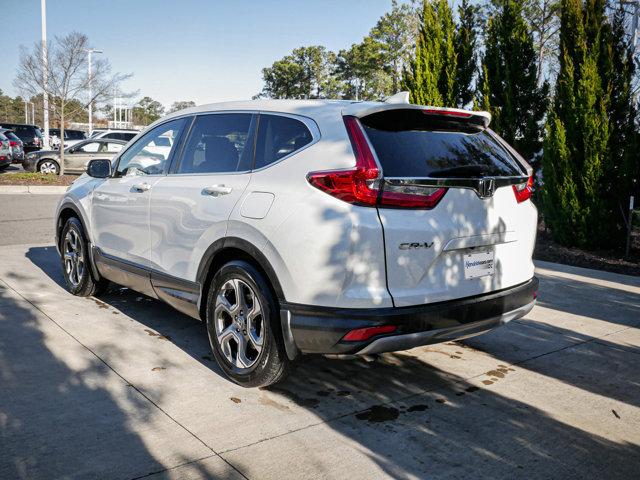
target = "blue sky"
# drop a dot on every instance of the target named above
(200, 50)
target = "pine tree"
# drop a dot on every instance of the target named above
(518, 104)
(431, 80)
(465, 45)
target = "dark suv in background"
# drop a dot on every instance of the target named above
(30, 135)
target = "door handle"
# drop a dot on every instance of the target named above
(217, 190)
(141, 187)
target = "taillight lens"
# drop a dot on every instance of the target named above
(13, 143)
(362, 334)
(523, 190)
(361, 184)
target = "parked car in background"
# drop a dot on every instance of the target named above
(76, 157)
(318, 227)
(17, 148)
(5, 152)
(71, 137)
(30, 135)
(125, 135)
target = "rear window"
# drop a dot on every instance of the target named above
(409, 143)
(74, 135)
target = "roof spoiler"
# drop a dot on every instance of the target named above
(401, 101)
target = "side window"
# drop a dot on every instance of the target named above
(127, 136)
(144, 157)
(219, 143)
(278, 137)
(112, 136)
(91, 147)
(113, 147)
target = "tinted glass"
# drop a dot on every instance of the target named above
(409, 143)
(3, 138)
(38, 132)
(218, 143)
(278, 137)
(144, 157)
(74, 135)
(54, 131)
(11, 136)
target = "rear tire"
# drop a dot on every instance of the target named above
(75, 261)
(243, 326)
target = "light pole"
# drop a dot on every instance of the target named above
(45, 71)
(90, 51)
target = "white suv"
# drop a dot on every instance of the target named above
(296, 227)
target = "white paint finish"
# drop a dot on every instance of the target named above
(323, 251)
(120, 217)
(256, 205)
(419, 276)
(185, 220)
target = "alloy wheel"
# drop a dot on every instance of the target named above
(48, 167)
(74, 264)
(239, 324)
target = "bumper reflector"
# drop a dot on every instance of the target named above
(362, 334)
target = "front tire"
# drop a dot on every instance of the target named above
(75, 261)
(49, 166)
(243, 326)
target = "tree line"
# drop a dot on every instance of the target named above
(558, 76)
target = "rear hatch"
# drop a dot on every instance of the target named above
(453, 200)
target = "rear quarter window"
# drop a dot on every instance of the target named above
(409, 143)
(278, 137)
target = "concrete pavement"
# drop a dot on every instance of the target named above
(124, 387)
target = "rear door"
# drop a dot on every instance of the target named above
(475, 237)
(191, 206)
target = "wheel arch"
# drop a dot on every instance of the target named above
(66, 211)
(233, 248)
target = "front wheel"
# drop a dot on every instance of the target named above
(243, 327)
(75, 261)
(49, 166)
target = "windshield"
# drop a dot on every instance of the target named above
(409, 143)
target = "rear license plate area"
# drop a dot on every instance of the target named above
(478, 264)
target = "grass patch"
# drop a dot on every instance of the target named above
(36, 178)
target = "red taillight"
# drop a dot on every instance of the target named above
(523, 190)
(13, 143)
(36, 141)
(360, 185)
(447, 113)
(362, 334)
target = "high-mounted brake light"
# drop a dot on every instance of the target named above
(361, 184)
(362, 334)
(447, 113)
(523, 190)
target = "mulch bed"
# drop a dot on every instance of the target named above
(36, 179)
(608, 260)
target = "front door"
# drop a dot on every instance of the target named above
(191, 206)
(120, 207)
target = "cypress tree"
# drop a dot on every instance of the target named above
(465, 46)
(582, 109)
(431, 80)
(518, 103)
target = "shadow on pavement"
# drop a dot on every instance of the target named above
(406, 416)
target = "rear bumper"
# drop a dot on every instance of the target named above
(310, 329)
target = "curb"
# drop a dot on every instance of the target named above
(32, 189)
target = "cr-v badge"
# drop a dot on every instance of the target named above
(414, 246)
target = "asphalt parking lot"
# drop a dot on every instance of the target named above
(124, 387)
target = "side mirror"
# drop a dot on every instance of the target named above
(99, 168)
